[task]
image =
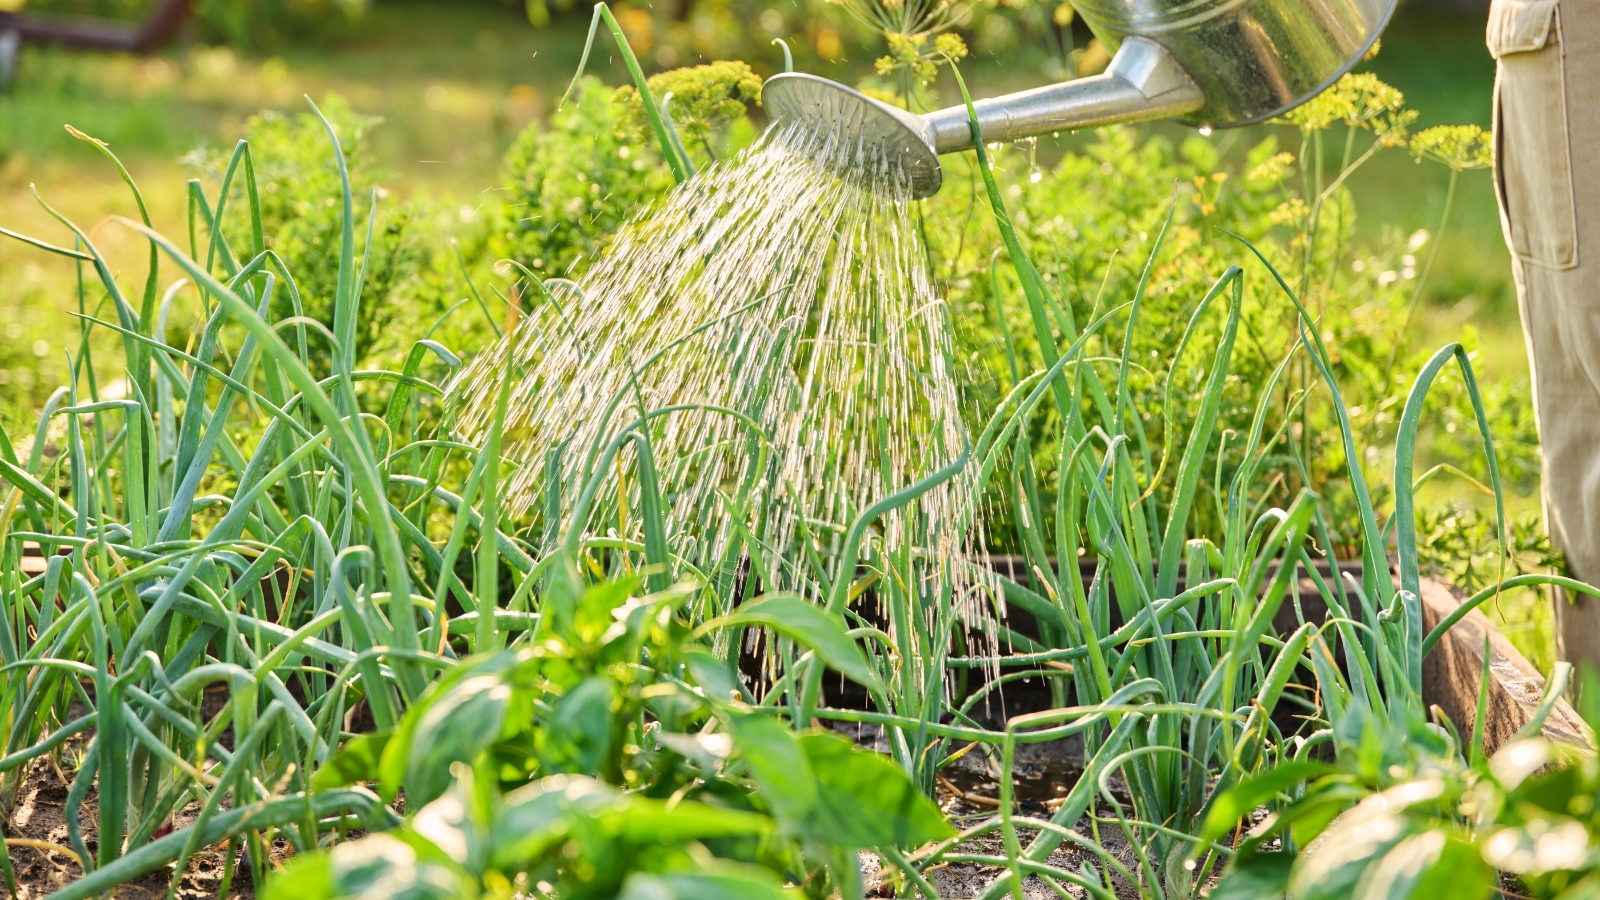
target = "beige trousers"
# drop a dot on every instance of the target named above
(1547, 172)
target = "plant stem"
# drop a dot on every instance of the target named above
(1422, 278)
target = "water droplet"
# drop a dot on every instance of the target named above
(1205, 131)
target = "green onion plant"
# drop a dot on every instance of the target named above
(557, 708)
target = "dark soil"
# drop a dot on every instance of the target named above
(38, 815)
(968, 793)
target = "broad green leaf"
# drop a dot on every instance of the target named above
(559, 597)
(409, 740)
(1262, 877)
(577, 736)
(398, 869)
(308, 876)
(539, 820)
(1307, 819)
(1333, 865)
(355, 762)
(706, 751)
(450, 825)
(778, 765)
(1429, 866)
(713, 676)
(536, 818)
(647, 821)
(865, 800)
(798, 620)
(725, 882)
(379, 865)
(1243, 799)
(459, 725)
(594, 616)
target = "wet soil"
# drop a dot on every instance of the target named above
(968, 792)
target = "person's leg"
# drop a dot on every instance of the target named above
(1547, 124)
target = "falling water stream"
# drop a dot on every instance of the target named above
(794, 293)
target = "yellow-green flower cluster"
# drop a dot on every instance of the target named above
(1359, 101)
(1271, 171)
(911, 51)
(1457, 146)
(702, 96)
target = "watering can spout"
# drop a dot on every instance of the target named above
(1142, 82)
(1213, 63)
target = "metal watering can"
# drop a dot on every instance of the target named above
(1209, 63)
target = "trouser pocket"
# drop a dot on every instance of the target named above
(1533, 162)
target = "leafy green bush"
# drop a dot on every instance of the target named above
(1091, 222)
(587, 765)
(574, 182)
(1408, 815)
(1091, 219)
(702, 99)
(1093, 216)
(299, 194)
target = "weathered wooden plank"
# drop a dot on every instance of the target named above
(1451, 674)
